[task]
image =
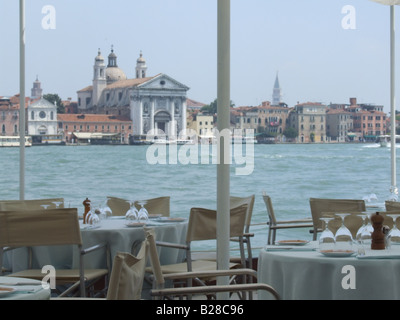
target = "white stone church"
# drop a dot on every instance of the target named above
(152, 103)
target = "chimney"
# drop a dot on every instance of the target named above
(353, 101)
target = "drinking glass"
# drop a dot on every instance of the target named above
(394, 234)
(343, 236)
(105, 210)
(363, 235)
(327, 238)
(132, 213)
(143, 214)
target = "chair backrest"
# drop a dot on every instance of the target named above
(154, 259)
(160, 205)
(331, 206)
(238, 201)
(270, 209)
(127, 275)
(39, 228)
(202, 223)
(13, 205)
(392, 205)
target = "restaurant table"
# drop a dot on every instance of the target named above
(301, 274)
(113, 231)
(23, 289)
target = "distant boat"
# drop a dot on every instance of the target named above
(178, 141)
(384, 140)
(14, 141)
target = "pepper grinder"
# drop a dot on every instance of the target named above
(86, 204)
(378, 237)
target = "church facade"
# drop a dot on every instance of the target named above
(152, 103)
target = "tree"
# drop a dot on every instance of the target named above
(53, 97)
(212, 107)
(290, 133)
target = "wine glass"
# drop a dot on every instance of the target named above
(343, 236)
(363, 235)
(143, 214)
(394, 234)
(132, 213)
(327, 238)
(45, 206)
(105, 209)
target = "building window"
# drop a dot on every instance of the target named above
(52, 115)
(3, 129)
(32, 115)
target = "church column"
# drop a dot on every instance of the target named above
(183, 113)
(140, 122)
(152, 108)
(171, 107)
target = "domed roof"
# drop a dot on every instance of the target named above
(141, 59)
(114, 74)
(99, 57)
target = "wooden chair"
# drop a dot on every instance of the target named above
(160, 277)
(160, 205)
(202, 226)
(36, 204)
(328, 207)
(274, 224)
(51, 227)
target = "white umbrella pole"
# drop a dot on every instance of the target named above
(223, 169)
(22, 99)
(393, 100)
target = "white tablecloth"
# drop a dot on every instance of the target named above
(25, 289)
(309, 275)
(115, 233)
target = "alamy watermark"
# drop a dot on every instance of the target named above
(49, 20)
(349, 20)
(188, 148)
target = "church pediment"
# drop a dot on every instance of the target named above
(163, 82)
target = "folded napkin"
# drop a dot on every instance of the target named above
(380, 254)
(311, 246)
(89, 226)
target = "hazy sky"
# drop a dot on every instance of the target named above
(324, 50)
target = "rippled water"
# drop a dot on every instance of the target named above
(290, 174)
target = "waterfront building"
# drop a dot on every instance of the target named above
(339, 125)
(245, 118)
(152, 103)
(368, 119)
(273, 119)
(9, 116)
(95, 128)
(42, 122)
(309, 120)
(202, 124)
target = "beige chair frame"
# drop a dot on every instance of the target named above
(274, 224)
(51, 227)
(160, 205)
(35, 204)
(320, 207)
(160, 292)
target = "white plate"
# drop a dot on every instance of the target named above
(4, 291)
(292, 242)
(339, 253)
(135, 225)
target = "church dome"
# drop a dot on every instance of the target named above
(99, 57)
(141, 59)
(114, 74)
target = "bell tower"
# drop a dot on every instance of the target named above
(141, 67)
(277, 92)
(99, 78)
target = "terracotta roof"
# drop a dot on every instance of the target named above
(89, 88)
(193, 103)
(68, 117)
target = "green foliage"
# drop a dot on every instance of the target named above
(53, 97)
(290, 133)
(213, 107)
